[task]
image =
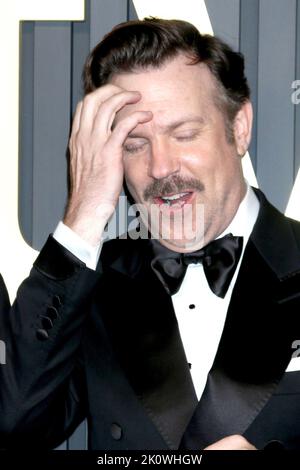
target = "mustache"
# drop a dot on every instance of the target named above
(175, 184)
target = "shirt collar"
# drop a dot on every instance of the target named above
(243, 222)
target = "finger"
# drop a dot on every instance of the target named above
(74, 131)
(108, 109)
(76, 118)
(91, 103)
(126, 125)
(234, 442)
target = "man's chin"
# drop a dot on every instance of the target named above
(183, 245)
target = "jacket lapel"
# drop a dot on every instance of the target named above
(260, 327)
(144, 333)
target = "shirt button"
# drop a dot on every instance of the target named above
(191, 306)
(116, 431)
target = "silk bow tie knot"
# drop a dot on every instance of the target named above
(219, 258)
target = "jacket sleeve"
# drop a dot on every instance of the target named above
(42, 388)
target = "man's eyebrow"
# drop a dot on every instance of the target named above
(186, 120)
(173, 125)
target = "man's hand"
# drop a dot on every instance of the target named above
(96, 159)
(235, 442)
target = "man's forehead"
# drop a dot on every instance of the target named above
(173, 74)
(169, 95)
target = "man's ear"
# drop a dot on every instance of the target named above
(242, 128)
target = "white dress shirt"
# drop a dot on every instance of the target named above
(200, 313)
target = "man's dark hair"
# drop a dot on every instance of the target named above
(136, 45)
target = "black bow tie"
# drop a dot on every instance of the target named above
(219, 258)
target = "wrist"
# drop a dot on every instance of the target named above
(84, 251)
(88, 228)
(88, 221)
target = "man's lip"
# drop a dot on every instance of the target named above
(173, 194)
(178, 204)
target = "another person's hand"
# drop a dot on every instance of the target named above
(96, 159)
(234, 442)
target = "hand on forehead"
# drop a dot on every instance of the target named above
(169, 92)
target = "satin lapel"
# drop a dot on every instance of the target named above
(256, 345)
(144, 332)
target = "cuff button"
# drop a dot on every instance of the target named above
(52, 313)
(56, 301)
(47, 322)
(42, 335)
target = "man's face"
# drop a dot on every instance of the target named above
(181, 159)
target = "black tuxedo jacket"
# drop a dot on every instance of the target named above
(105, 345)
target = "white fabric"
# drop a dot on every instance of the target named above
(294, 365)
(81, 249)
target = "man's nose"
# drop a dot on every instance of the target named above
(163, 161)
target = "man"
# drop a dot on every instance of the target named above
(181, 342)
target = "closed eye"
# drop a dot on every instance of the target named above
(133, 148)
(187, 135)
(134, 144)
